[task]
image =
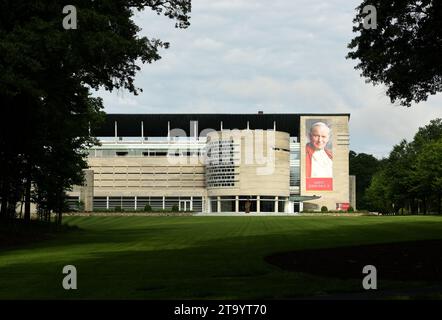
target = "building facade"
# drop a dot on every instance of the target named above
(212, 163)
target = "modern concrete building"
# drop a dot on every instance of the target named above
(219, 163)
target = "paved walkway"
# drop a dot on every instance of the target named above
(242, 214)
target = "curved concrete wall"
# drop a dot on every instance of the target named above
(261, 163)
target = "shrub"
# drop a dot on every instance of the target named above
(147, 208)
(175, 208)
(324, 209)
(350, 209)
(80, 206)
(118, 209)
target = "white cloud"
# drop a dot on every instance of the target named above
(279, 56)
(207, 44)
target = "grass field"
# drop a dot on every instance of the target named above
(195, 257)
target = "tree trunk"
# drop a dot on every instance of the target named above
(27, 215)
(21, 209)
(4, 207)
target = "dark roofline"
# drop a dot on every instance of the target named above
(229, 114)
(156, 124)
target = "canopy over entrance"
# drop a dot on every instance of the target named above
(297, 198)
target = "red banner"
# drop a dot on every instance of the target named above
(343, 206)
(319, 184)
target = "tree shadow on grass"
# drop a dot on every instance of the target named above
(223, 267)
(403, 261)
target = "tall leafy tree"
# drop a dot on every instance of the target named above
(429, 133)
(410, 178)
(427, 167)
(429, 171)
(378, 194)
(399, 169)
(363, 166)
(403, 51)
(46, 74)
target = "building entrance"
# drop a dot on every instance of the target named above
(185, 205)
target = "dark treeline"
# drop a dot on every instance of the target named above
(46, 74)
(408, 181)
(363, 166)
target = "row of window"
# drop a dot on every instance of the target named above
(138, 203)
(295, 156)
(143, 153)
(220, 166)
(219, 184)
(220, 177)
(220, 170)
(266, 204)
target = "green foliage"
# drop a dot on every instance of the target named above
(401, 53)
(324, 209)
(46, 77)
(147, 208)
(118, 209)
(77, 207)
(378, 193)
(80, 206)
(363, 166)
(351, 209)
(410, 178)
(175, 208)
(428, 173)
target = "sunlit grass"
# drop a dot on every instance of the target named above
(195, 257)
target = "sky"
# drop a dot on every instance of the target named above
(281, 56)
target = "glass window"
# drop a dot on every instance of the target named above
(242, 205)
(281, 206)
(122, 153)
(213, 205)
(267, 206)
(228, 206)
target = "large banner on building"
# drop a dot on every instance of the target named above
(319, 155)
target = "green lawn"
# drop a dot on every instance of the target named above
(195, 257)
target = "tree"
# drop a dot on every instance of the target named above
(427, 167)
(378, 193)
(363, 166)
(410, 178)
(404, 51)
(429, 133)
(46, 74)
(429, 170)
(399, 172)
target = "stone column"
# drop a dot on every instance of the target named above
(288, 208)
(276, 204)
(352, 191)
(87, 191)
